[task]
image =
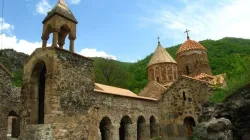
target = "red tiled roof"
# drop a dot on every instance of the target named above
(215, 80)
(203, 75)
(190, 45)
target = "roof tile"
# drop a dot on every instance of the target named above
(190, 45)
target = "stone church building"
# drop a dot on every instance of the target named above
(60, 100)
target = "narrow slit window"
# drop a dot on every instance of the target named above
(184, 95)
(158, 79)
(187, 70)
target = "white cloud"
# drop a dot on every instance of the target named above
(75, 1)
(9, 41)
(6, 27)
(20, 45)
(94, 53)
(43, 7)
(205, 18)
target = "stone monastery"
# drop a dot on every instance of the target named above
(59, 99)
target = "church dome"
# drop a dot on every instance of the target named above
(190, 45)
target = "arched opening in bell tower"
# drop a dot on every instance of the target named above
(38, 93)
(63, 35)
(47, 40)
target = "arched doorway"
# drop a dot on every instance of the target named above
(153, 128)
(189, 123)
(38, 93)
(105, 127)
(13, 125)
(141, 128)
(124, 127)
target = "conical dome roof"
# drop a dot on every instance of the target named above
(61, 9)
(190, 45)
(160, 56)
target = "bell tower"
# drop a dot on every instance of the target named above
(162, 68)
(60, 22)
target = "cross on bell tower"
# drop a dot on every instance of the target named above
(61, 22)
(187, 33)
(158, 38)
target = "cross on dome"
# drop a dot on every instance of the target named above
(187, 33)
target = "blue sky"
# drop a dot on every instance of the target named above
(127, 29)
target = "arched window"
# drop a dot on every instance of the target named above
(169, 70)
(124, 127)
(38, 93)
(141, 128)
(152, 74)
(63, 33)
(13, 125)
(105, 129)
(153, 128)
(189, 123)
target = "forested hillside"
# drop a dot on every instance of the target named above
(227, 55)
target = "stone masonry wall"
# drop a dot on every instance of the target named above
(196, 61)
(175, 108)
(9, 97)
(67, 76)
(164, 72)
(72, 107)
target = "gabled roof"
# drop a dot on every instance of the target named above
(160, 56)
(111, 89)
(61, 9)
(6, 70)
(118, 91)
(152, 90)
(190, 45)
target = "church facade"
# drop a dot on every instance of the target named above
(60, 100)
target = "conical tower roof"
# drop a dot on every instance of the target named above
(160, 56)
(61, 9)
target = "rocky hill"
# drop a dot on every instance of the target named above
(228, 120)
(13, 60)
